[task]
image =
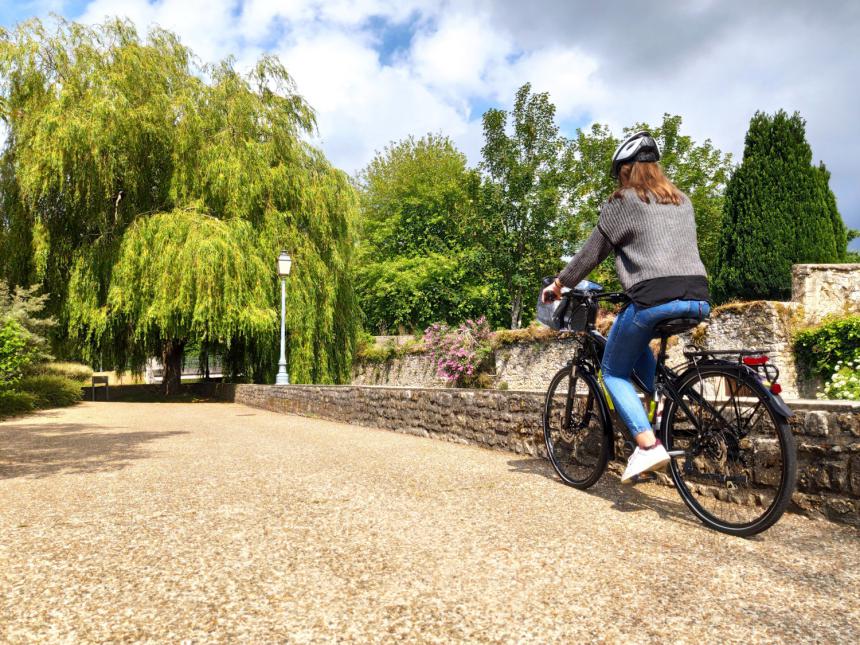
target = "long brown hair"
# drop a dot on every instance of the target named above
(647, 178)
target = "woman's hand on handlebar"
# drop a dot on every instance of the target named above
(552, 292)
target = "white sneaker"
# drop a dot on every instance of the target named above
(641, 461)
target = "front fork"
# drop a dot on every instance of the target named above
(569, 399)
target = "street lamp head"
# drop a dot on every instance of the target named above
(284, 264)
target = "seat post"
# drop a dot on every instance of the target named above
(661, 356)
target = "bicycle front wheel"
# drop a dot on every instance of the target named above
(734, 459)
(576, 428)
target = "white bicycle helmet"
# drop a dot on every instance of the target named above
(637, 147)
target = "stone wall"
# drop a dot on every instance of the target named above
(751, 325)
(826, 289)
(409, 370)
(819, 290)
(523, 365)
(530, 365)
(827, 433)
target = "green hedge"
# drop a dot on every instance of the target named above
(39, 391)
(51, 391)
(819, 349)
(13, 402)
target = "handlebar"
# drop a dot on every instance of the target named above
(614, 296)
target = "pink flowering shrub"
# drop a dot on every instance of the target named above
(458, 352)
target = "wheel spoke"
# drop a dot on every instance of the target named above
(574, 430)
(732, 468)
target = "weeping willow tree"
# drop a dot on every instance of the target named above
(150, 194)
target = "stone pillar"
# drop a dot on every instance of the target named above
(826, 289)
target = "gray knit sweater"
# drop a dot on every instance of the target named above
(650, 241)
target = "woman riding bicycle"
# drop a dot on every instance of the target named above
(650, 226)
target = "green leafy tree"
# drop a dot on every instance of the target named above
(111, 137)
(25, 307)
(23, 331)
(519, 219)
(15, 356)
(588, 184)
(414, 268)
(779, 210)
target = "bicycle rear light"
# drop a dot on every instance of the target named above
(776, 388)
(752, 361)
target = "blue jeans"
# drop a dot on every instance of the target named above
(627, 350)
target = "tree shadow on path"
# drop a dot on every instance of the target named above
(42, 450)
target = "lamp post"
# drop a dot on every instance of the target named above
(284, 264)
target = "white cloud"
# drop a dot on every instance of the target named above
(713, 63)
(569, 75)
(205, 26)
(456, 55)
(362, 104)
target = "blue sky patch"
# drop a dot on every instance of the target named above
(11, 13)
(394, 38)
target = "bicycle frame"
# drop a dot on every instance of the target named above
(703, 409)
(665, 378)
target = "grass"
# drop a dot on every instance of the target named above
(368, 352)
(73, 371)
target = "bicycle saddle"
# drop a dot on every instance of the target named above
(674, 326)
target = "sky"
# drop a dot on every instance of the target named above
(379, 70)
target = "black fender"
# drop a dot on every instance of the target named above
(750, 375)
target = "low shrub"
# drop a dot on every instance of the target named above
(74, 371)
(378, 353)
(844, 383)
(819, 349)
(13, 402)
(459, 352)
(51, 391)
(369, 352)
(535, 332)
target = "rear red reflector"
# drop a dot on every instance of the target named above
(754, 360)
(776, 388)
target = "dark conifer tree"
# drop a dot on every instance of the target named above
(779, 211)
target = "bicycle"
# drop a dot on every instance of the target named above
(733, 457)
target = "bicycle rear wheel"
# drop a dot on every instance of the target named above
(737, 464)
(576, 428)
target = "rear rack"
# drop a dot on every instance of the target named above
(765, 371)
(691, 350)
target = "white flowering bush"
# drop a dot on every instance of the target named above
(844, 383)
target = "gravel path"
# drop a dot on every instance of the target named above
(214, 522)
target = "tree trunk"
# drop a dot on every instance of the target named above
(517, 310)
(171, 360)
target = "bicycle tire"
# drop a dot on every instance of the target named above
(578, 453)
(747, 449)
